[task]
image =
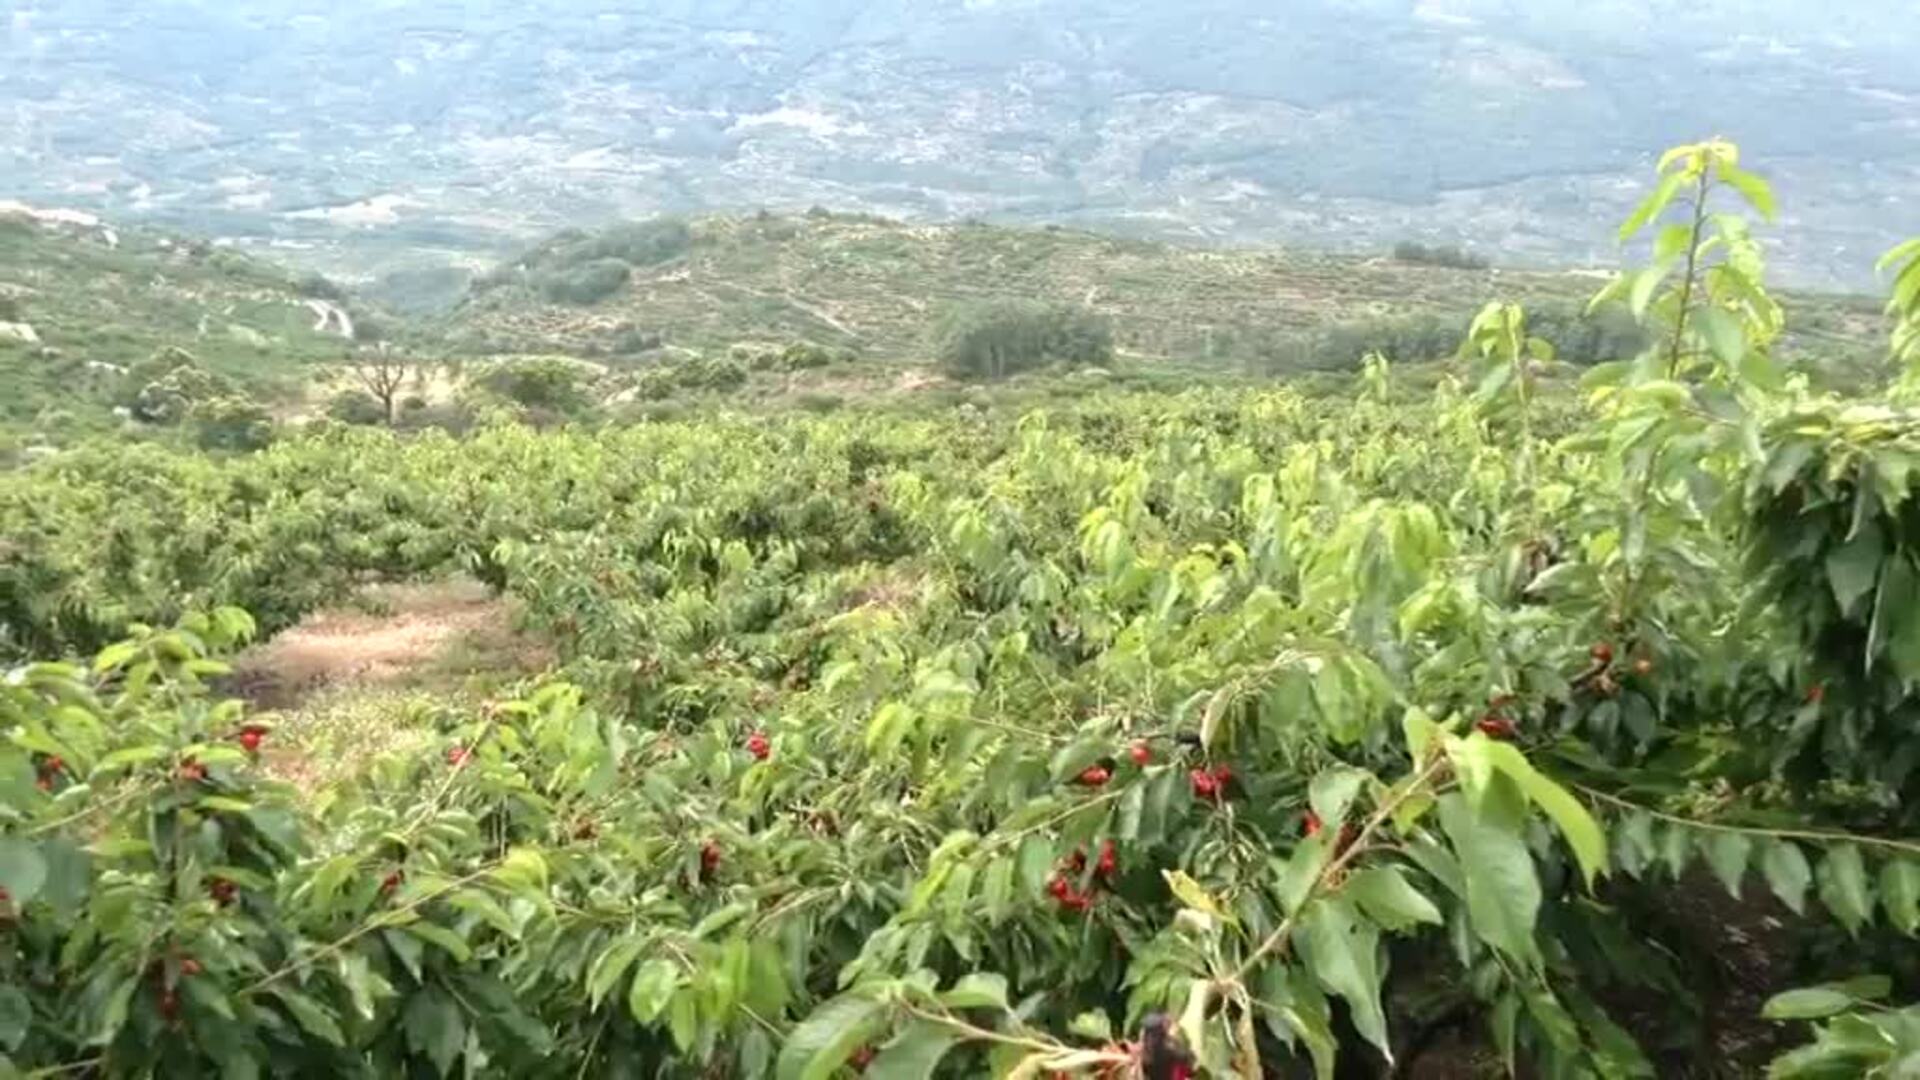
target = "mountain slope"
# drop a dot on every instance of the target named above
(879, 286)
(80, 303)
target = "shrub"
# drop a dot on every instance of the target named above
(588, 283)
(1448, 255)
(550, 383)
(1000, 338)
(356, 407)
(233, 422)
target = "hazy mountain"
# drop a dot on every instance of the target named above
(1522, 127)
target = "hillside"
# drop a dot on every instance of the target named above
(82, 304)
(877, 286)
(367, 132)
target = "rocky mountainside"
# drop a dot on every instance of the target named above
(880, 288)
(86, 308)
(368, 134)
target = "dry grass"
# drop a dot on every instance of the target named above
(348, 685)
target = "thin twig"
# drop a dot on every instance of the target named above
(1812, 835)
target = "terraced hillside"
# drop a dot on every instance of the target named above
(878, 285)
(81, 304)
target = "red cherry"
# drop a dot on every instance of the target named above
(759, 746)
(1222, 775)
(458, 755)
(1816, 693)
(391, 882)
(222, 891)
(1495, 727)
(250, 740)
(1059, 887)
(1204, 785)
(193, 772)
(1310, 824)
(1076, 902)
(1095, 776)
(1602, 653)
(709, 857)
(1140, 752)
(189, 966)
(53, 765)
(861, 1058)
(1109, 861)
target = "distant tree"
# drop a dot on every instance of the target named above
(232, 422)
(355, 406)
(1408, 251)
(1004, 337)
(586, 283)
(383, 371)
(549, 385)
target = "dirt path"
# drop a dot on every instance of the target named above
(348, 684)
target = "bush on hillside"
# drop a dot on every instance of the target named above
(1000, 338)
(588, 283)
(232, 422)
(356, 407)
(548, 384)
(1448, 255)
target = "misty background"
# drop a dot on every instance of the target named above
(355, 136)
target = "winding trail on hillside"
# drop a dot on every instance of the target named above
(328, 315)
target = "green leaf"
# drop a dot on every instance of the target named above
(16, 1016)
(1751, 188)
(311, 1015)
(914, 1053)
(1073, 758)
(1332, 791)
(1810, 1003)
(452, 943)
(1676, 848)
(1900, 893)
(435, 1027)
(1843, 887)
(1192, 894)
(1420, 729)
(979, 990)
(1853, 567)
(1582, 832)
(1503, 894)
(1343, 954)
(1310, 856)
(683, 1019)
(1092, 1024)
(1727, 853)
(612, 963)
(1724, 335)
(1787, 874)
(1386, 897)
(1652, 205)
(1644, 285)
(523, 868)
(1036, 864)
(827, 1038)
(653, 986)
(22, 870)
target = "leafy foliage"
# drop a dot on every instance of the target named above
(1258, 725)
